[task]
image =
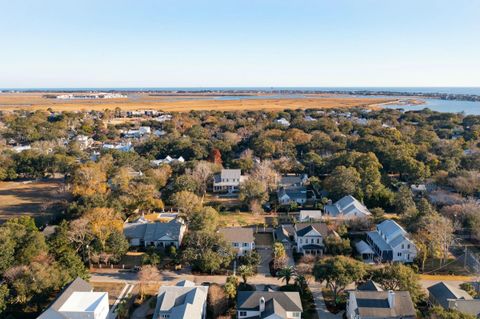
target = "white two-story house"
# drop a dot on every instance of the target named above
(390, 242)
(241, 239)
(78, 301)
(228, 181)
(309, 238)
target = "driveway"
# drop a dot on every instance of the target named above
(290, 260)
(266, 256)
(322, 311)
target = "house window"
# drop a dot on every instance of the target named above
(296, 314)
(399, 254)
(300, 240)
(318, 240)
(243, 314)
(403, 246)
(245, 244)
(235, 244)
(408, 246)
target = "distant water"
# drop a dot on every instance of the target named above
(467, 107)
(433, 104)
(449, 90)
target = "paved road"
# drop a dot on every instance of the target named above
(170, 278)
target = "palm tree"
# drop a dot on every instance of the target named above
(301, 283)
(245, 271)
(286, 273)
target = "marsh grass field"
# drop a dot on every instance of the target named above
(185, 103)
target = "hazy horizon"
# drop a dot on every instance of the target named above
(270, 43)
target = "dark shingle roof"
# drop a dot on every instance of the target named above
(370, 285)
(374, 304)
(303, 229)
(288, 301)
(443, 291)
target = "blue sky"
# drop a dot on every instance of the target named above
(172, 43)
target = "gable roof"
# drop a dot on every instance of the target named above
(375, 304)
(303, 229)
(442, 291)
(83, 301)
(284, 232)
(237, 234)
(370, 285)
(345, 206)
(78, 285)
(231, 173)
(291, 180)
(389, 235)
(276, 302)
(293, 192)
(153, 231)
(185, 300)
(390, 229)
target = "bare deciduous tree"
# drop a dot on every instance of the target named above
(265, 173)
(146, 275)
(203, 173)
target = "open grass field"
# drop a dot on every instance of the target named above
(228, 219)
(176, 103)
(29, 198)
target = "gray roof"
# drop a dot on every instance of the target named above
(284, 232)
(294, 192)
(231, 173)
(390, 229)
(78, 285)
(374, 304)
(185, 300)
(388, 235)
(303, 229)
(276, 302)
(363, 248)
(237, 234)
(370, 285)
(378, 240)
(290, 180)
(442, 291)
(346, 205)
(153, 231)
